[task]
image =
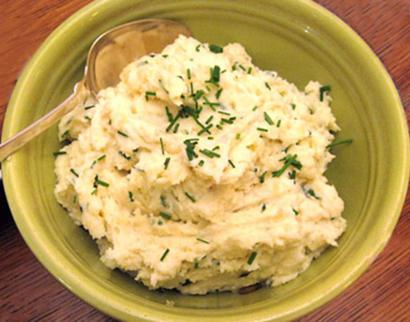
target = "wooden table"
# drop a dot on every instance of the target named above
(28, 291)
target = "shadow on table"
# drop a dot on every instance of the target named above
(6, 220)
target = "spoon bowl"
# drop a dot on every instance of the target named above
(107, 57)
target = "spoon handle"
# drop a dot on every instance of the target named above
(14, 143)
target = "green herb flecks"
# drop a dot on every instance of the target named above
(209, 153)
(125, 156)
(231, 163)
(164, 254)
(164, 202)
(263, 208)
(130, 196)
(165, 215)
(209, 119)
(324, 89)
(312, 193)
(122, 133)
(216, 49)
(261, 129)
(57, 153)
(278, 123)
(190, 197)
(190, 148)
(293, 106)
(149, 94)
(261, 178)
(347, 141)
(295, 212)
(161, 142)
(267, 86)
(166, 162)
(74, 173)
(99, 182)
(218, 93)
(267, 118)
(215, 75)
(201, 163)
(89, 107)
(289, 160)
(102, 157)
(202, 240)
(252, 257)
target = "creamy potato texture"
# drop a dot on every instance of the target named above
(201, 172)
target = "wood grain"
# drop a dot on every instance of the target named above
(29, 292)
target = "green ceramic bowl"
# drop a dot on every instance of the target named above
(297, 38)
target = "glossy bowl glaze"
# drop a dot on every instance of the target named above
(297, 38)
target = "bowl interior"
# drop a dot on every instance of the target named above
(301, 42)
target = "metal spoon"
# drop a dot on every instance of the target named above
(107, 57)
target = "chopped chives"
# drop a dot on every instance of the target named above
(165, 215)
(263, 207)
(238, 136)
(250, 70)
(262, 177)
(164, 254)
(74, 173)
(215, 48)
(295, 212)
(122, 133)
(231, 163)
(324, 89)
(188, 73)
(87, 118)
(57, 153)
(292, 175)
(347, 141)
(312, 193)
(127, 157)
(176, 128)
(198, 94)
(98, 159)
(241, 67)
(169, 114)
(206, 129)
(278, 123)
(209, 153)
(130, 196)
(289, 160)
(166, 163)
(254, 108)
(215, 75)
(190, 197)
(252, 257)
(218, 93)
(209, 119)
(197, 47)
(201, 163)
(190, 148)
(267, 118)
(202, 240)
(262, 129)
(89, 107)
(163, 201)
(148, 94)
(267, 86)
(162, 146)
(224, 113)
(228, 121)
(97, 181)
(293, 106)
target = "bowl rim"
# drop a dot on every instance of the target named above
(99, 301)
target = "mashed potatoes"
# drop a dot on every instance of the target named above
(201, 172)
